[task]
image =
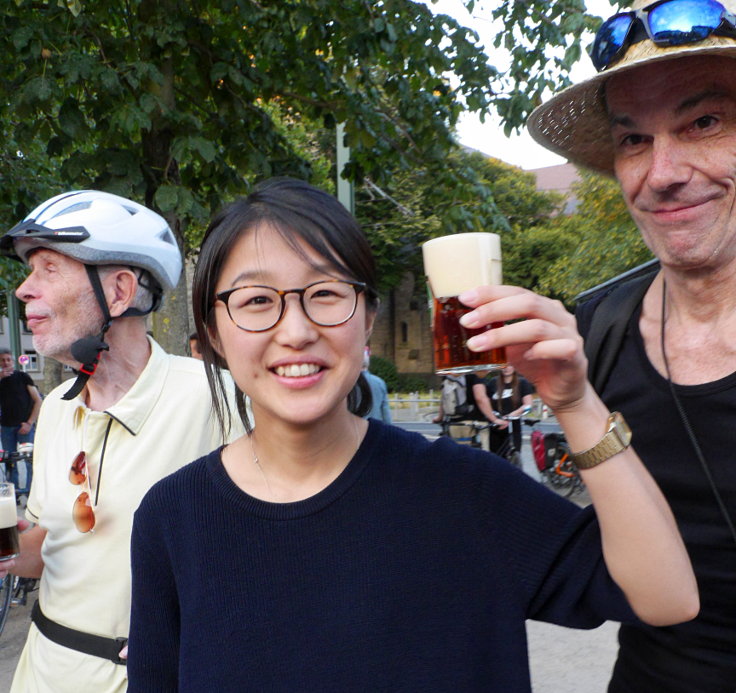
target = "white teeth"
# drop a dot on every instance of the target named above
(295, 370)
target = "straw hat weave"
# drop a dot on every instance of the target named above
(574, 123)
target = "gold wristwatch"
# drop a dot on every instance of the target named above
(616, 439)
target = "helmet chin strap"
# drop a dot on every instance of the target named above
(89, 349)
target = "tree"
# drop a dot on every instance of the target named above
(172, 102)
(168, 102)
(602, 238)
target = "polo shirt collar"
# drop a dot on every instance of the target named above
(136, 405)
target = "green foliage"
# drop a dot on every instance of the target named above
(601, 239)
(544, 40)
(411, 383)
(184, 104)
(386, 370)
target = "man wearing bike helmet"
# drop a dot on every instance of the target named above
(660, 116)
(98, 265)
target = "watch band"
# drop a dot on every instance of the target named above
(616, 439)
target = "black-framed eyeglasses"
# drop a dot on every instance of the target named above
(257, 308)
(666, 23)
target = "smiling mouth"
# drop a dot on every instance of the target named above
(297, 370)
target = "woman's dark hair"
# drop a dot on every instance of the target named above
(300, 213)
(515, 389)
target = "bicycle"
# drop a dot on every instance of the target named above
(507, 448)
(14, 591)
(552, 457)
(465, 431)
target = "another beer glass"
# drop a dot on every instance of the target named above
(454, 264)
(9, 542)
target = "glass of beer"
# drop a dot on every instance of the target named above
(454, 264)
(9, 543)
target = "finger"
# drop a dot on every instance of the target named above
(6, 567)
(536, 339)
(23, 524)
(517, 305)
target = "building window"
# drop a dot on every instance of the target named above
(404, 333)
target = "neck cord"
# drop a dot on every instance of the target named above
(688, 427)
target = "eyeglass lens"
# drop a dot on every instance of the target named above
(82, 511)
(326, 303)
(670, 23)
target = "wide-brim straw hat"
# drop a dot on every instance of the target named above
(574, 123)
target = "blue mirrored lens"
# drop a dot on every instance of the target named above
(684, 21)
(610, 38)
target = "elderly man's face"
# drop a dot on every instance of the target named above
(60, 304)
(674, 132)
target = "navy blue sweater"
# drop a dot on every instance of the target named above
(413, 571)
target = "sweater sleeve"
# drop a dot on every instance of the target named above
(153, 647)
(554, 548)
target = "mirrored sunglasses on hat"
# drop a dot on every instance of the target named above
(665, 23)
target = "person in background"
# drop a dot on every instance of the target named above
(660, 116)
(99, 264)
(194, 351)
(20, 403)
(380, 408)
(360, 556)
(510, 395)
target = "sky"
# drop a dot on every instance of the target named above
(520, 150)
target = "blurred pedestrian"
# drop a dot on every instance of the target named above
(20, 403)
(194, 351)
(380, 407)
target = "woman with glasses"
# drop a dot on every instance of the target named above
(325, 552)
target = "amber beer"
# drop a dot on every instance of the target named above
(9, 543)
(454, 264)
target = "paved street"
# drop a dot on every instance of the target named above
(562, 660)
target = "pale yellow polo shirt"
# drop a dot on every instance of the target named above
(162, 423)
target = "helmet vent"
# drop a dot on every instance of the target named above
(168, 237)
(77, 207)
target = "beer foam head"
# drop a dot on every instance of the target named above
(462, 261)
(8, 512)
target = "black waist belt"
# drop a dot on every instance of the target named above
(95, 645)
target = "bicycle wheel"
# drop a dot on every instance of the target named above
(569, 475)
(6, 592)
(515, 458)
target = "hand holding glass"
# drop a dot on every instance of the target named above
(454, 264)
(9, 542)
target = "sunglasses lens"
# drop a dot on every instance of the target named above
(84, 516)
(609, 39)
(78, 470)
(684, 21)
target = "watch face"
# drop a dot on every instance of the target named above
(622, 428)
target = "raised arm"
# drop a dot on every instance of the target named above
(642, 547)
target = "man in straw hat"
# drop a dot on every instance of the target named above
(660, 116)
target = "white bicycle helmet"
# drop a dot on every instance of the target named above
(98, 228)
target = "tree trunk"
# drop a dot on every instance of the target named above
(171, 323)
(52, 374)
